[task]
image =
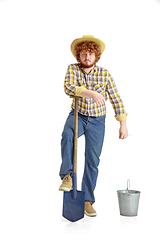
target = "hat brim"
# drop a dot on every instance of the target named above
(87, 38)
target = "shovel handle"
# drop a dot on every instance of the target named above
(75, 133)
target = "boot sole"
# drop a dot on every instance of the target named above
(65, 189)
(90, 214)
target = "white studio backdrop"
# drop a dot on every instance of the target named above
(35, 38)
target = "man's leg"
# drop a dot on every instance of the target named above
(67, 143)
(94, 136)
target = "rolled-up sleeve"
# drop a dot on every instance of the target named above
(115, 99)
(70, 83)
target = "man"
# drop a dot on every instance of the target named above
(94, 84)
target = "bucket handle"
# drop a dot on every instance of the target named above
(128, 185)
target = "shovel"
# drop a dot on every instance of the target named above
(73, 201)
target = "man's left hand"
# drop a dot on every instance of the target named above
(123, 132)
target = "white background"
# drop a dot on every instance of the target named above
(35, 38)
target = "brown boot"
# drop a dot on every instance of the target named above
(89, 210)
(66, 184)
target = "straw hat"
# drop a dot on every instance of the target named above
(87, 38)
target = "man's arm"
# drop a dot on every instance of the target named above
(115, 99)
(97, 97)
(71, 88)
(118, 106)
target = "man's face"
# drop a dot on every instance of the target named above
(87, 59)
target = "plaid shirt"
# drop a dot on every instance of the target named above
(99, 80)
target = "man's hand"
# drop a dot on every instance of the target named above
(97, 97)
(123, 132)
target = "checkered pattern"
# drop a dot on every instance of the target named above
(99, 80)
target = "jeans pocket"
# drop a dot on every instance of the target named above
(102, 119)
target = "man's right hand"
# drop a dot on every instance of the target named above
(97, 97)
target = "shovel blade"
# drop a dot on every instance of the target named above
(73, 209)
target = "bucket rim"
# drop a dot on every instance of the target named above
(129, 191)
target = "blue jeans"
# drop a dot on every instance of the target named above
(93, 129)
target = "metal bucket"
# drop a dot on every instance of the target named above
(128, 201)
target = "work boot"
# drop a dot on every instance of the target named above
(66, 184)
(89, 210)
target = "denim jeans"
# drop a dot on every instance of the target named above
(93, 129)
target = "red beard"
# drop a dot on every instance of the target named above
(83, 65)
